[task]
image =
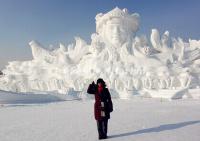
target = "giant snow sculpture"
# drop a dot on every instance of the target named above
(128, 63)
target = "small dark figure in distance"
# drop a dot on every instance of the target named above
(1, 73)
(102, 106)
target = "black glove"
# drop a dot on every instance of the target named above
(93, 83)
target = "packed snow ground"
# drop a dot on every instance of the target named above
(138, 119)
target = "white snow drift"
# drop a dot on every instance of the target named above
(129, 63)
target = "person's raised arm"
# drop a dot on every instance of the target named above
(92, 88)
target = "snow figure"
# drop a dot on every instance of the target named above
(148, 82)
(137, 83)
(182, 53)
(185, 78)
(164, 78)
(126, 61)
(155, 39)
(165, 40)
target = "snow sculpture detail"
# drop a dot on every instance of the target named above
(128, 63)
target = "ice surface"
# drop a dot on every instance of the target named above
(129, 64)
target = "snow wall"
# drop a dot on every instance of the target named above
(158, 67)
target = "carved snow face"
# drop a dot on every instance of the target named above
(116, 32)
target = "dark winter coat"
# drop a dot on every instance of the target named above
(105, 97)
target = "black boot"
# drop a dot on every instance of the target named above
(100, 129)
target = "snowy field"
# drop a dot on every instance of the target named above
(132, 120)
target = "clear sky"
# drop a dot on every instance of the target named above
(54, 21)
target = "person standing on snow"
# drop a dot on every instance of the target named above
(102, 106)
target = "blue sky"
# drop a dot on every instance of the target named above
(54, 21)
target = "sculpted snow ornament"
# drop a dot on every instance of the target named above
(117, 26)
(130, 64)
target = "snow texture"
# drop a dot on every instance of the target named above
(129, 64)
(131, 120)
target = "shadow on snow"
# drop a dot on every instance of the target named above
(160, 128)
